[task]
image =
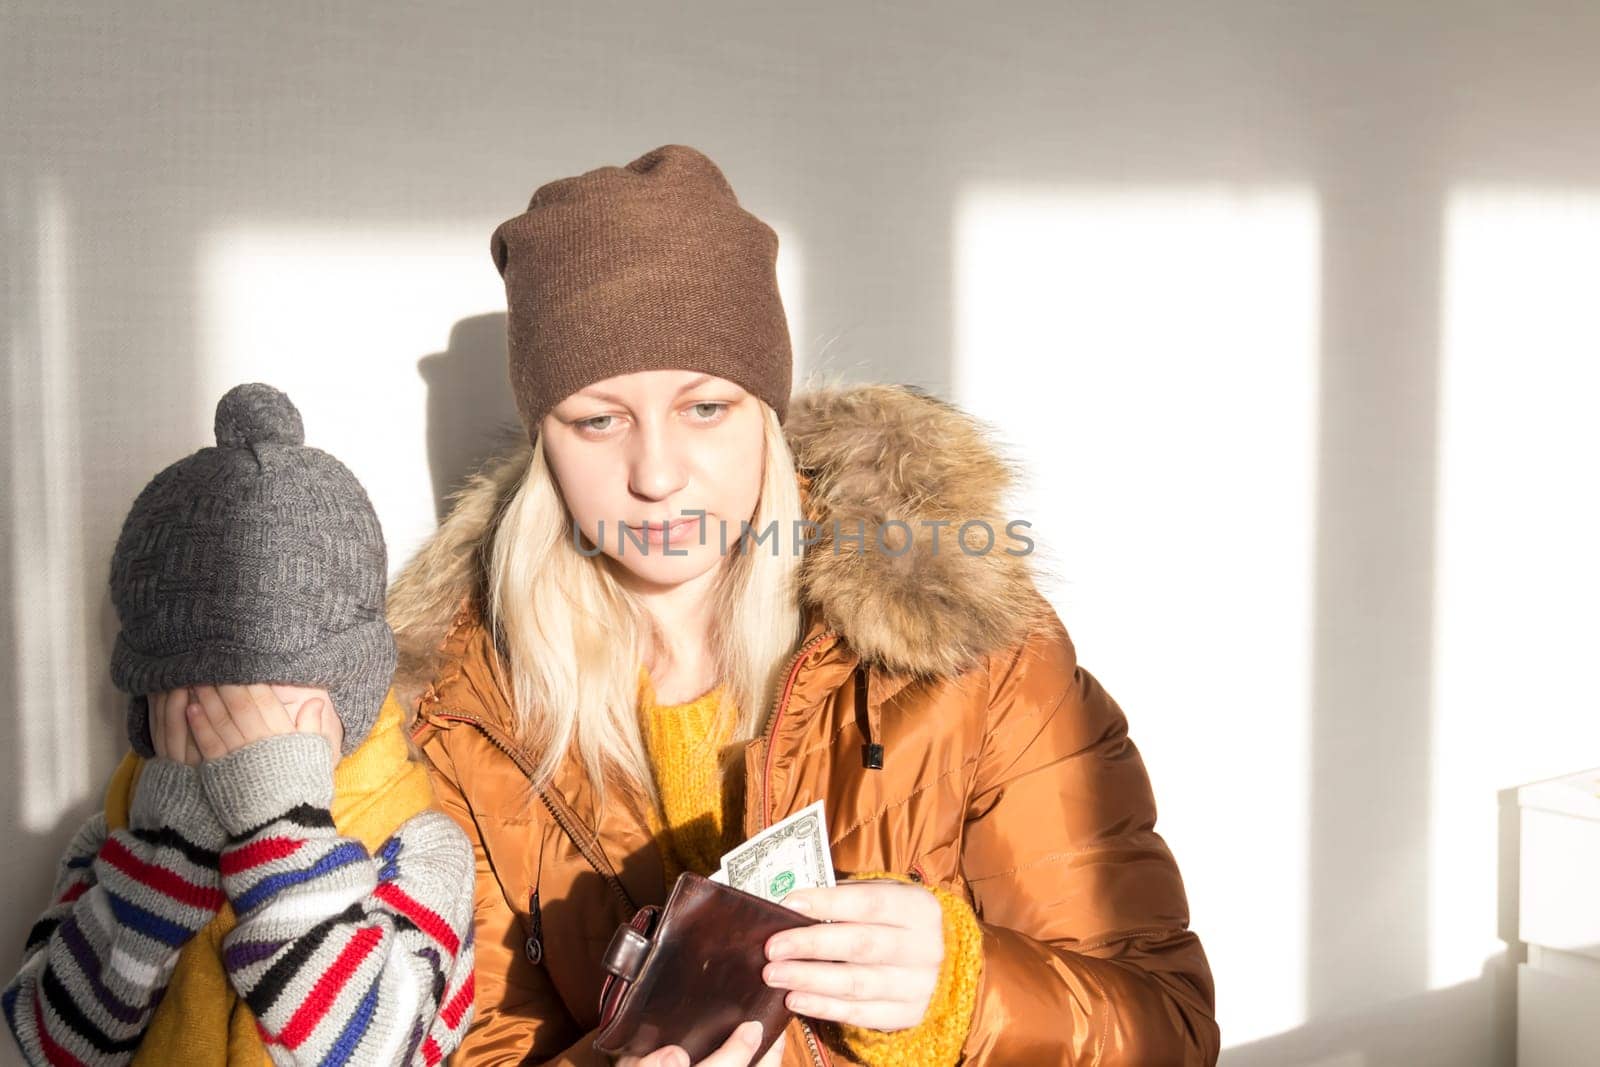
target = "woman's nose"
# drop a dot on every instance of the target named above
(656, 471)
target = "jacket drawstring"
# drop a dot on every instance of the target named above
(868, 721)
(534, 946)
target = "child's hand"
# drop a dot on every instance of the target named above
(225, 718)
(169, 727)
(316, 716)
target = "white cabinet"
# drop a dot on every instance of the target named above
(1558, 989)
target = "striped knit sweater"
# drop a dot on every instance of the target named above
(341, 955)
(698, 822)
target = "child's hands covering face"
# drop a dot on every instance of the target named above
(225, 718)
(169, 727)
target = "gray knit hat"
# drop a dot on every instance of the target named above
(259, 560)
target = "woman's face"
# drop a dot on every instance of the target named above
(639, 450)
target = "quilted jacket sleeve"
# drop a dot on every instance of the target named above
(1087, 955)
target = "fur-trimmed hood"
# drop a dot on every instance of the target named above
(866, 454)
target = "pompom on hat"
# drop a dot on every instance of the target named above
(651, 266)
(257, 560)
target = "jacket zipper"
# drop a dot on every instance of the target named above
(815, 1046)
(818, 1055)
(778, 705)
(600, 866)
(629, 907)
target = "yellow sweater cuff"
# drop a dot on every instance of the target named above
(938, 1039)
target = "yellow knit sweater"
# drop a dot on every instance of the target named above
(700, 819)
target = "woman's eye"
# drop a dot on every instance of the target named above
(715, 409)
(593, 424)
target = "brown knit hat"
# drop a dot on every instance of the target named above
(651, 266)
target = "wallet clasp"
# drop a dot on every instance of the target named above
(625, 955)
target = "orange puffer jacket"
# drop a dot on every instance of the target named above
(1007, 770)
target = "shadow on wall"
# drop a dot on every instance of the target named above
(471, 413)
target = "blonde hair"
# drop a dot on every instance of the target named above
(571, 635)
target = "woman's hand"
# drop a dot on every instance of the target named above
(874, 965)
(169, 727)
(225, 718)
(735, 1052)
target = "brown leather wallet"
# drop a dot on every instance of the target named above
(688, 972)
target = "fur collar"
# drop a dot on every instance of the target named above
(865, 453)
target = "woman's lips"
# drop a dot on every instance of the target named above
(659, 534)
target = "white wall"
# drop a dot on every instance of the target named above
(1287, 308)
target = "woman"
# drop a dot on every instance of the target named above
(604, 704)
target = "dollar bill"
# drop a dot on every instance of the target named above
(788, 855)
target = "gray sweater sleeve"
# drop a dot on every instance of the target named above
(124, 904)
(343, 955)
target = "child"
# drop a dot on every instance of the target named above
(269, 880)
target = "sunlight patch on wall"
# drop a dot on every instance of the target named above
(339, 320)
(791, 284)
(1517, 562)
(1151, 357)
(45, 513)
